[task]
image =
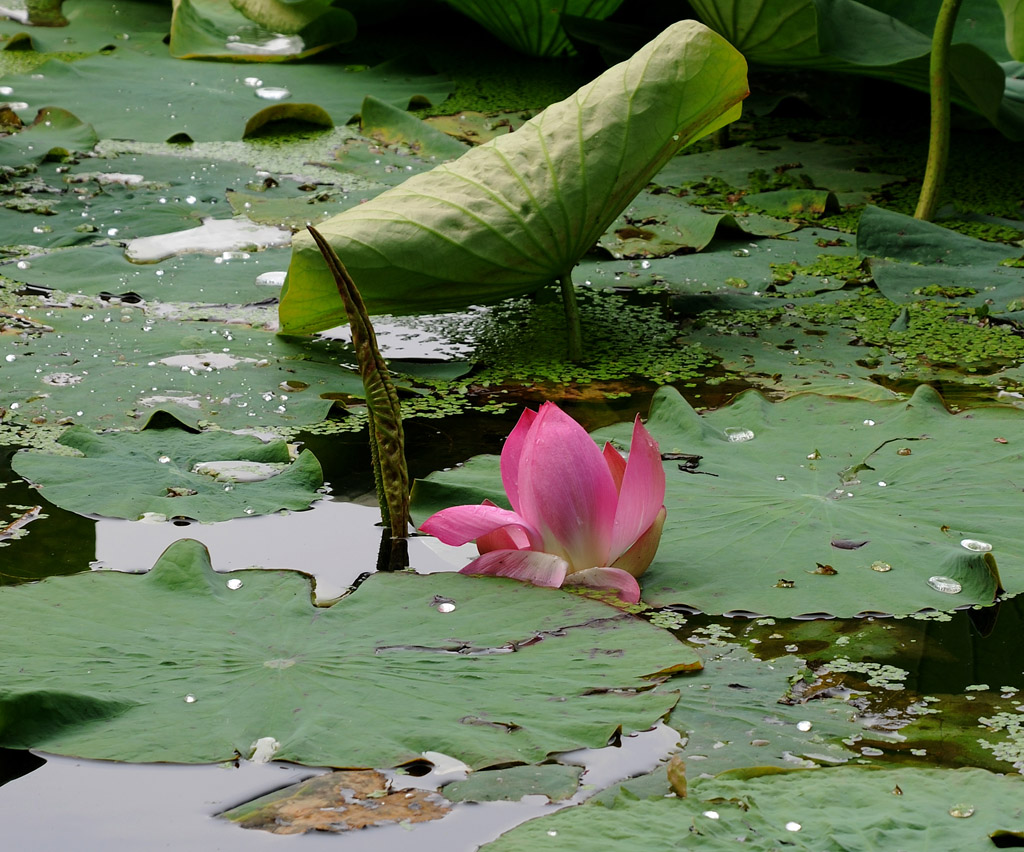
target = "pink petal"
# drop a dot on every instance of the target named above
(511, 454)
(566, 491)
(461, 524)
(541, 569)
(512, 537)
(623, 584)
(636, 560)
(616, 464)
(642, 494)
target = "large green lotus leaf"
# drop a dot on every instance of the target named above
(518, 212)
(154, 472)
(114, 368)
(205, 29)
(659, 225)
(175, 665)
(53, 134)
(533, 28)
(209, 101)
(823, 810)
(94, 26)
(921, 259)
(778, 483)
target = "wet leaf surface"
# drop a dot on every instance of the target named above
(825, 810)
(554, 780)
(183, 649)
(164, 473)
(778, 500)
(221, 103)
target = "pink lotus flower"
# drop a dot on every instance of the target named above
(580, 516)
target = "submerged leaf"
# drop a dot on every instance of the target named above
(518, 212)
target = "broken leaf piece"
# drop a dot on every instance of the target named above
(338, 801)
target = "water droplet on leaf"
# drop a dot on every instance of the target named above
(946, 585)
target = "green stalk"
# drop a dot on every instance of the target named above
(938, 143)
(572, 317)
(387, 441)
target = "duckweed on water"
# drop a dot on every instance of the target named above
(522, 343)
(876, 674)
(937, 334)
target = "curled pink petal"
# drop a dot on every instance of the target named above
(642, 494)
(512, 537)
(511, 453)
(566, 491)
(637, 559)
(614, 579)
(460, 524)
(530, 566)
(616, 464)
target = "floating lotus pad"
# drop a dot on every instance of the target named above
(824, 810)
(752, 528)
(168, 473)
(115, 93)
(186, 665)
(109, 368)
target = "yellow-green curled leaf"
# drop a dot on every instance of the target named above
(518, 212)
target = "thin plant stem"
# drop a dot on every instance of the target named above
(387, 440)
(572, 317)
(938, 143)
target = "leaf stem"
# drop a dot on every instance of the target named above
(938, 143)
(572, 317)
(387, 440)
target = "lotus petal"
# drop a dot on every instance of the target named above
(530, 566)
